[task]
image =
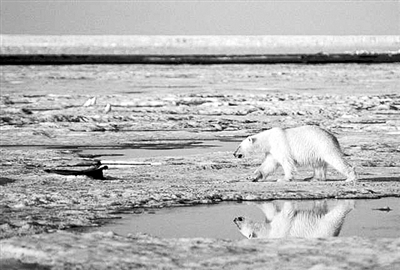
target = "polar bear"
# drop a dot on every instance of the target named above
(292, 222)
(300, 146)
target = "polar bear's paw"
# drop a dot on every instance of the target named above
(252, 178)
(351, 179)
(312, 179)
(255, 177)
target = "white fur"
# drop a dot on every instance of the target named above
(301, 146)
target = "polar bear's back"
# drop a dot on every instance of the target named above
(311, 145)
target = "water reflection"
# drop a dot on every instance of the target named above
(302, 217)
(291, 220)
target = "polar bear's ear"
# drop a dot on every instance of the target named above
(253, 139)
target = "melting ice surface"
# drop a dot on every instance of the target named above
(178, 148)
(216, 221)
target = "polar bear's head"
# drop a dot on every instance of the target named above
(245, 147)
(251, 229)
(245, 227)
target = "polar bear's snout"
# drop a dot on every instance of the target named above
(237, 153)
(238, 221)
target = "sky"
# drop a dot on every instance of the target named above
(201, 17)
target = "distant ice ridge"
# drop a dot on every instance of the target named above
(197, 44)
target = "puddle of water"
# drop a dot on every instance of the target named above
(216, 221)
(166, 149)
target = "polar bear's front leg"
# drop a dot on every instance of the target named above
(257, 175)
(288, 170)
(268, 166)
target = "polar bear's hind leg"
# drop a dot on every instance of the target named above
(339, 164)
(319, 173)
(331, 223)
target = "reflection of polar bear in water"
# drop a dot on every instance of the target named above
(291, 222)
(303, 146)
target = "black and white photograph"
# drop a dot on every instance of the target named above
(200, 134)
